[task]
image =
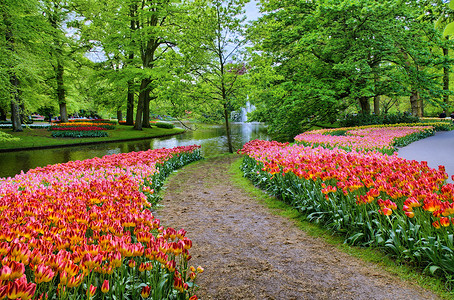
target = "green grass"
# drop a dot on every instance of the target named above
(405, 272)
(30, 138)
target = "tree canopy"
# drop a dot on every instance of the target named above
(308, 62)
(315, 58)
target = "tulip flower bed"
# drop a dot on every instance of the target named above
(91, 121)
(79, 134)
(83, 230)
(378, 138)
(80, 129)
(401, 206)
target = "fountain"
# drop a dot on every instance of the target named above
(241, 116)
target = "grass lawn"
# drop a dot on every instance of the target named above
(42, 137)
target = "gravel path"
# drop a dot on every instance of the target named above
(249, 253)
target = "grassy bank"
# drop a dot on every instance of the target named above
(31, 138)
(406, 272)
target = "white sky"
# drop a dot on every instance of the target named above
(252, 11)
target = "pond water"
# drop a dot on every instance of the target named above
(212, 138)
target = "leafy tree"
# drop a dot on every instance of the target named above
(21, 43)
(57, 14)
(217, 73)
(327, 55)
(135, 36)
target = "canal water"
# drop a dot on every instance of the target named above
(212, 138)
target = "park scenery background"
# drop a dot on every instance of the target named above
(339, 86)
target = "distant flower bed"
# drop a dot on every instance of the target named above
(79, 134)
(76, 128)
(92, 121)
(5, 137)
(34, 126)
(365, 138)
(428, 119)
(85, 125)
(84, 230)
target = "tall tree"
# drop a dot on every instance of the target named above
(21, 42)
(13, 78)
(218, 72)
(56, 12)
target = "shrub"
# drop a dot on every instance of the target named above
(164, 125)
(5, 137)
(361, 119)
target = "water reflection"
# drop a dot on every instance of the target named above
(212, 139)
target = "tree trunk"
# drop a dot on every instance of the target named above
(227, 129)
(377, 105)
(365, 105)
(61, 97)
(2, 114)
(446, 76)
(130, 104)
(421, 108)
(415, 104)
(15, 117)
(23, 118)
(146, 112)
(144, 93)
(119, 115)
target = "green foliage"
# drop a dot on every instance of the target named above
(164, 125)
(313, 59)
(79, 134)
(339, 132)
(361, 120)
(407, 140)
(5, 138)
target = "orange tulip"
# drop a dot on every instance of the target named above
(145, 292)
(436, 224)
(170, 265)
(445, 222)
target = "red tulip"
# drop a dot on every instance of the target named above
(105, 286)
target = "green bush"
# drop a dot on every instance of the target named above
(164, 125)
(361, 120)
(79, 134)
(5, 137)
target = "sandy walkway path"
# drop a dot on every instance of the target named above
(249, 253)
